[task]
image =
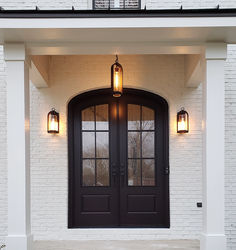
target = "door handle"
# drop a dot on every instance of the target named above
(122, 172)
(114, 171)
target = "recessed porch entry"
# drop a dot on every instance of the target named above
(118, 160)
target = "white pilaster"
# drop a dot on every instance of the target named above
(213, 237)
(19, 231)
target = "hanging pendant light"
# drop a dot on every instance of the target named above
(117, 78)
(182, 121)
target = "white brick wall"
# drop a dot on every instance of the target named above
(167, 4)
(230, 147)
(83, 4)
(44, 4)
(3, 151)
(49, 153)
(69, 76)
(49, 157)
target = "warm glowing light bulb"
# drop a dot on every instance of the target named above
(182, 125)
(116, 79)
(182, 121)
(53, 122)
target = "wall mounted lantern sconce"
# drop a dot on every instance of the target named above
(182, 121)
(53, 122)
(117, 78)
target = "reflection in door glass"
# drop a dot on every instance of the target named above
(88, 172)
(148, 172)
(102, 173)
(88, 118)
(147, 118)
(133, 117)
(148, 144)
(95, 145)
(102, 117)
(88, 146)
(141, 145)
(134, 144)
(102, 144)
(134, 172)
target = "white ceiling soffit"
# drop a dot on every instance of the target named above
(124, 32)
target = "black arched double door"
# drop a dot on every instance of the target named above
(118, 160)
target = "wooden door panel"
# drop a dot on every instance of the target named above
(95, 190)
(118, 158)
(140, 203)
(96, 203)
(142, 160)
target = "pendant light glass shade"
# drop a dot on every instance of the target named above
(117, 78)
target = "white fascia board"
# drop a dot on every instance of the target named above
(150, 22)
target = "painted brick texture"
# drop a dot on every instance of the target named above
(3, 151)
(230, 146)
(49, 153)
(69, 76)
(49, 157)
(84, 4)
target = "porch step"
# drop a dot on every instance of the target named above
(117, 245)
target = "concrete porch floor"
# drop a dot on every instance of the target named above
(118, 245)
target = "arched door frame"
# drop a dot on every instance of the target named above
(84, 97)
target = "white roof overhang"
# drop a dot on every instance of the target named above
(92, 34)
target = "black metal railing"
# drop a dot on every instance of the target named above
(116, 4)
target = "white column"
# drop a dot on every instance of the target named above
(213, 236)
(19, 231)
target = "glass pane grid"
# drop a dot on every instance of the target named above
(95, 146)
(141, 145)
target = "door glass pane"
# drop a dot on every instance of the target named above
(95, 146)
(148, 144)
(147, 118)
(102, 173)
(134, 172)
(133, 117)
(88, 118)
(88, 145)
(148, 172)
(102, 147)
(134, 144)
(102, 117)
(88, 172)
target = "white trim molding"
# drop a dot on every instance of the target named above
(18, 141)
(213, 236)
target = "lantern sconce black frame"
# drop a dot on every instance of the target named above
(53, 122)
(117, 78)
(182, 121)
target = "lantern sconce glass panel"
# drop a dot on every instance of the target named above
(53, 122)
(182, 121)
(117, 78)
